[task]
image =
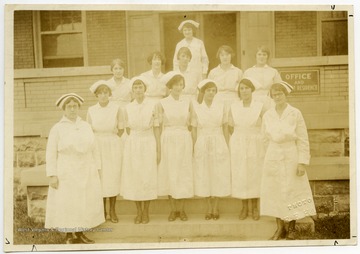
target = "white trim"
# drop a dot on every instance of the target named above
(318, 34)
(310, 61)
(84, 37)
(37, 40)
(61, 72)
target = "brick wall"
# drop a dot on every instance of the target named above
(334, 88)
(106, 35)
(23, 40)
(295, 34)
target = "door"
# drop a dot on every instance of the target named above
(215, 29)
(256, 30)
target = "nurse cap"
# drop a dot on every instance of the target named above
(287, 86)
(204, 82)
(194, 23)
(60, 102)
(100, 83)
(168, 76)
(141, 78)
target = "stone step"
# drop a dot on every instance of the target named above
(227, 228)
(193, 205)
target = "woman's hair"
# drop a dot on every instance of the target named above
(247, 83)
(156, 54)
(102, 88)
(226, 49)
(278, 87)
(203, 89)
(138, 82)
(264, 49)
(184, 50)
(119, 62)
(68, 100)
(189, 25)
(174, 80)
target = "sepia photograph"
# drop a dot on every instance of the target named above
(168, 126)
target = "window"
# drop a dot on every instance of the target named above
(310, 33)
(60, 39)
(334, 33)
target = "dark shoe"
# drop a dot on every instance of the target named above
(208, 216)
(290, 235)
(145, 218)
(291, 231)
(183, 216)
(216, 216)
(172, 216)
(243, 215)
(138, 219)
(255, 214)
(83, 239)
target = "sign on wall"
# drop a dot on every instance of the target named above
(303, 81)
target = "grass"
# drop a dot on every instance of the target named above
(335, 227)
(26, 231)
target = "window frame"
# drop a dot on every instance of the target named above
(318, 60)
(320, 21)
(38, 42)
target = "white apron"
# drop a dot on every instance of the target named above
(175, 175)
(247, 150)
(211, 154)
(105, 123)
(139, 170)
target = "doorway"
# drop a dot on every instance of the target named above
(215, 29)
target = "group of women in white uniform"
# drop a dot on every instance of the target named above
(181, 135)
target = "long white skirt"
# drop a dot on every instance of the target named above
(284, 194)
(247, 159)
(139, 170)
(211, 164)
(76, 204)
(175, 176)
(111, 158)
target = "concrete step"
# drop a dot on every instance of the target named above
(159, 229)
(193, 205)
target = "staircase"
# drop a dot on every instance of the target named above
(196, 229)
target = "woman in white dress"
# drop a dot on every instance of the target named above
(155, 90)
(226, 76)
(211, 154)
(121, 93)
(191, 78)
(142, 151)
(175, 176)
(199, 62)
(246, 148)
(107, 122)
(265, 75)
(285, 189)
(74, 201)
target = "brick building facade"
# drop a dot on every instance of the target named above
(299, 41)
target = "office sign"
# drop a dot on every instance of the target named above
(303, 81)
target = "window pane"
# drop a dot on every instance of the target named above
(62, 45)
(334, 38)
(60, 21)
(50, 21)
